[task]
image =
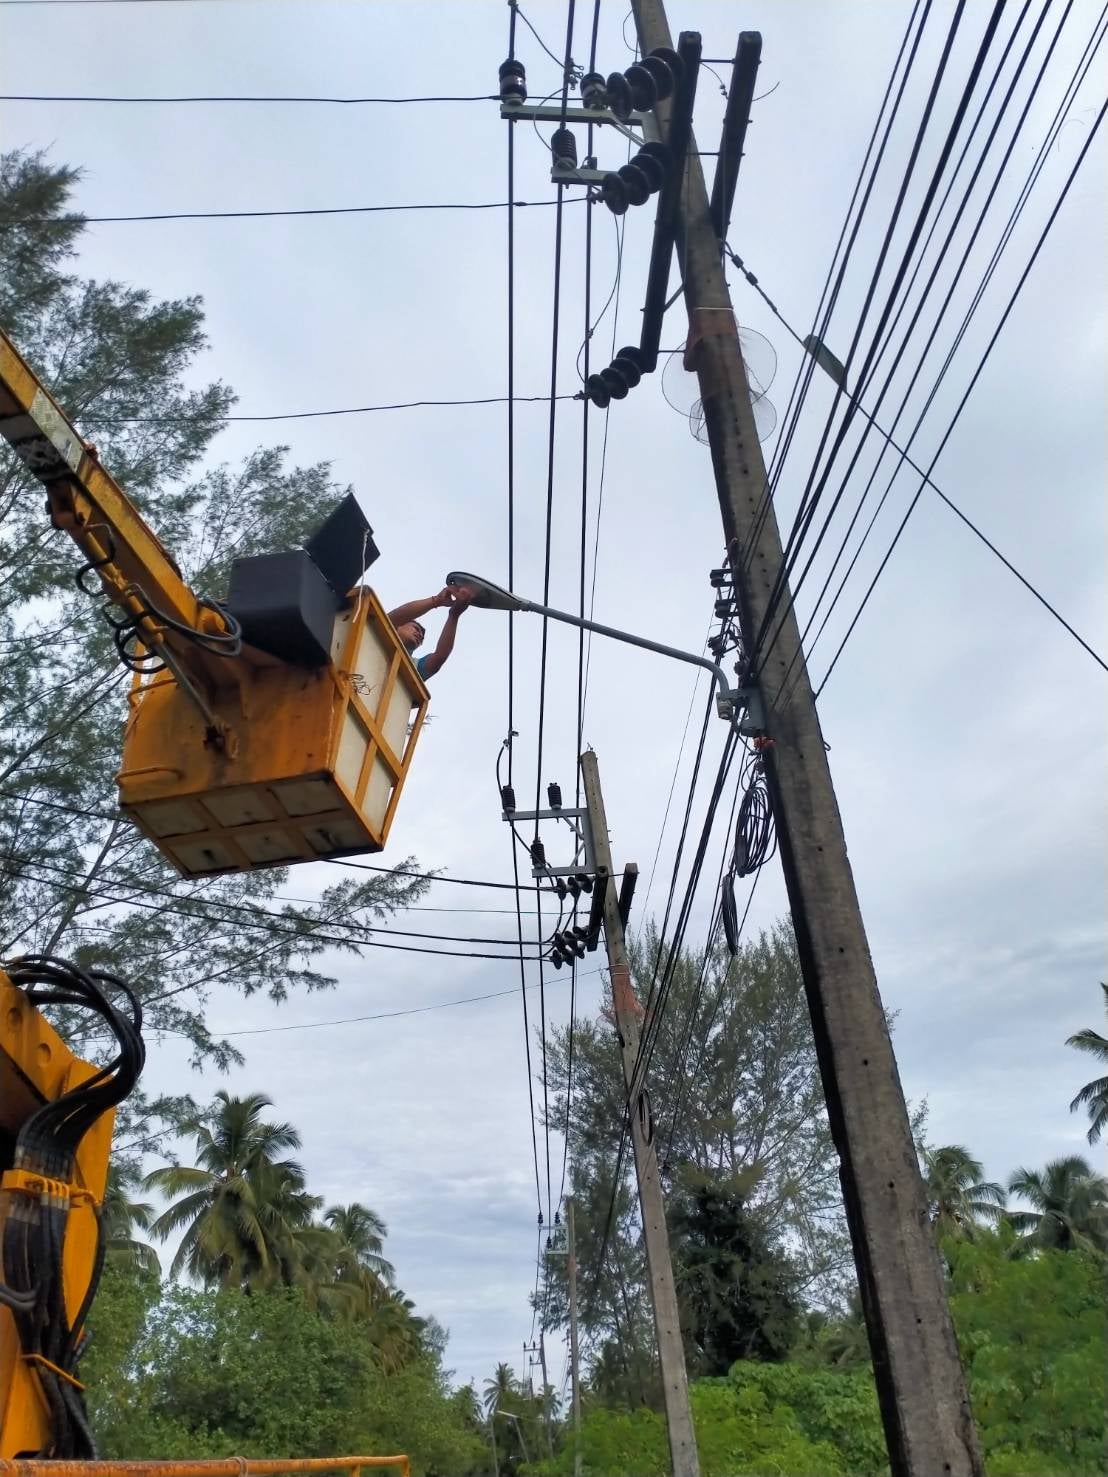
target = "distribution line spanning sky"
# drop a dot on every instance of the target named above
(950, 688)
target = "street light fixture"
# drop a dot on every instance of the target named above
(730, 701)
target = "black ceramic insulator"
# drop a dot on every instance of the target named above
(638, 186)
(593, 93)
(513, 82)
(663, 77)
(652, 170)
(723, 609)
(556, 960)
(563, 146)
(585, 881)
(644, 90)
(507, 797)
(628, 370)
(619, 95)
(597, 391)
(613, 192)
(538, 854)
(718, 578)
(672, 60)
(615, 384)
(554, 795)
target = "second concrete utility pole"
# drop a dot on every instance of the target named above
(663, 1293)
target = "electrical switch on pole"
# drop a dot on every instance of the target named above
(663, 1294)
(920, 1383)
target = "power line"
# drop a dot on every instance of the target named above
(103, 815)
(829, 294)
(38, 222)
(259, 918)
(305, 415)
(755, 282)
(874, 358)
(349, 1020)
(53, 97)
(511, 399)
(969, 389)
(781, 593)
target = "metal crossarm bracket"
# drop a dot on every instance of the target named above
(578, 821)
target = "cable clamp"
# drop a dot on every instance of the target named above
(63, 1374)
(41, 1187)
(708, 323)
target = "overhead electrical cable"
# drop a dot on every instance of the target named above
(782, 594)
(551, 442)
(907, 341)
(935, 488)
(353, 1020)
(933, 393)
(969, 390)
(436, 877)
(128, 893)
(56, 97)
(45, 222)
(829, 294)
(94, 418)
(523, 986)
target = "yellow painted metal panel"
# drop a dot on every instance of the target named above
(310, 743)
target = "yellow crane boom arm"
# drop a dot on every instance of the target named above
(135, 569)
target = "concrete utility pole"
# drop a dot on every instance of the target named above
(545, 1396)
(574, 1366)
(920, 1384)
(667, 1322)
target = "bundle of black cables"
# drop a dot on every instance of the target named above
(755, 841)
(34, 1229)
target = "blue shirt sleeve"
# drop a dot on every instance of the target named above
(420, 660)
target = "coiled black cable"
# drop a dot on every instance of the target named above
(755, 841)
(34, 1230)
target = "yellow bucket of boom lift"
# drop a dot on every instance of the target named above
(313, 767)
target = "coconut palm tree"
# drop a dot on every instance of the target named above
(959, 1197)
(1069, 1206)
(844, 1341)
(501, 1387)
(234, 1205)
(120, 1217)
(394, 1331)
(362, 1232)
(1093, 1097)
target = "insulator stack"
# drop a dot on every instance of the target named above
(513, 82)
(563, 148)
(637, 180)
(613, 383)
(644, 84)
(593, 93)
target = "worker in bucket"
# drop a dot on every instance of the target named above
(410, 629)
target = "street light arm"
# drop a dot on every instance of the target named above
(724, 687)
(493, 597)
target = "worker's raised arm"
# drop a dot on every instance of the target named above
(415, 608)
(436, 659)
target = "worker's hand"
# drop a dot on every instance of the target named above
(463, 598)
(446, 596)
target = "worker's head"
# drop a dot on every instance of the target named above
(411, 634)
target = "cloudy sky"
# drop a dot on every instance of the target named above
(965, 725)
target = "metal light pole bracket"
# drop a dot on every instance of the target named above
(748, 701)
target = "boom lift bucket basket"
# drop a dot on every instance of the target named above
(316, 767)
